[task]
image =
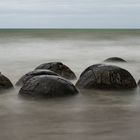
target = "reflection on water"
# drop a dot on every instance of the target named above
(92, 114)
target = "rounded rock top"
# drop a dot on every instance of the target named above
(48, 86)
(115, 59)
(102, 76)
(5, 83)
(59, 68)
(31, 74)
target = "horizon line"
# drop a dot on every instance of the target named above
(74, 28)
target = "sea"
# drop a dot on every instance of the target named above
(89, 115)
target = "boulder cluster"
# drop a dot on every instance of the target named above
(53, 79)
(48, 80)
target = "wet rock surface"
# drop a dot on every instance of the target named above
(31, 74)
(47, 86)
(115, 59)
(5, 83)
(60, 69)
(101, 76)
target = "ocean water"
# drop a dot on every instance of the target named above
(92, 114)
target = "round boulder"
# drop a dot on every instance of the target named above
(5, 83)
(60, 69)
(101, 76)
(31, 74)
(47, 86)
(114, 59)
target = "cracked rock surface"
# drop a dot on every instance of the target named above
(34, 73)
(101, 76)
(60, 69)
(47, 86)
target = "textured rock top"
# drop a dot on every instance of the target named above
(48, 86)
(103, 76)
(5, 83)
(31, 74)
(59, 68)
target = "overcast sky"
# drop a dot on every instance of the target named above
(69, 13)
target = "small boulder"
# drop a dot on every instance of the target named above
(114, 59)
(101, 76)
(60, 69)
(31, 74)
(5, 83)
(46, 86)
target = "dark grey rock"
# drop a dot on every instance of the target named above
(31, 74)
(5, 83)
(47, 86)
(102, 76)
(60, 69)
(114, 59)
(139, 83)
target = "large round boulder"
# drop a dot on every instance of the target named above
(47, 86)
(60, 69)
(114, 59)
(5, 83)
(102, 76)
(31, 74)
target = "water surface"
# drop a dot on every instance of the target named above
(92, 114)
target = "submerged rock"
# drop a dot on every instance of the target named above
(31, 74)
(102, 76)
(47, 86)
(5, 83)
(60, 69)
(114, 59)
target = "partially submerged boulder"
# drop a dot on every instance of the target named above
(5, 83)
(45, 86)
(60, 69)
(31, 74)
(101, 76)
(114, 59)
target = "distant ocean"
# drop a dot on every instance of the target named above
(98, 115)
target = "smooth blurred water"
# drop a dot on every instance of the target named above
(93, 114)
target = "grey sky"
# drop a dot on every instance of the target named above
(69, 13)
